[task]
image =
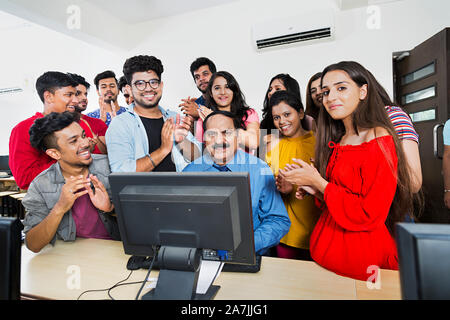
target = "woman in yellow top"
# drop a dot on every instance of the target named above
(287, 112)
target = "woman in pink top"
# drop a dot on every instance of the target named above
(223, 93)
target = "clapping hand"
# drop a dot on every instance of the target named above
(203, 112)
(189, 107)
(282, 185)
(98, 194)
(182, 127)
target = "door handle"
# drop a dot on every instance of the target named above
(435, 140)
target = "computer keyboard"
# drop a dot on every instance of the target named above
(138, 262)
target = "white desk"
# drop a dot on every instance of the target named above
(100, 264)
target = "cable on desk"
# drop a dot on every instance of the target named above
(118, 284)
(107, 289)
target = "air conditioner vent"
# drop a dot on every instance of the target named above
(295, 37)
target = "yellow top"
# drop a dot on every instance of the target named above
(303, 213)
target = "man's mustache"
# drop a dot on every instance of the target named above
(221, 145)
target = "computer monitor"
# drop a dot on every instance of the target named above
(424, 260)
(191, 210)
(10, 256)
(4, 164)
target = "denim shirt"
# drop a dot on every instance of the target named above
(127, 141)
(44, 193)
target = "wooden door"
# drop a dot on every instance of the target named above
(421, 87)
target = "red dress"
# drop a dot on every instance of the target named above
(351, 236)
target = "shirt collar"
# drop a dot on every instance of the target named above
(234, 165)
(165, 113)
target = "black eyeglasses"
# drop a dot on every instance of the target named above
(141, 84)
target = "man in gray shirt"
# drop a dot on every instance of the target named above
(71, 198)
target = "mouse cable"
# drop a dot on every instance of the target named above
(107, 289)
(155, 256)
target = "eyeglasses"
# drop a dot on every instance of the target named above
(141, 84)
(213, 134)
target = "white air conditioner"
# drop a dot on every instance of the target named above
(303, 28)
(10, 90)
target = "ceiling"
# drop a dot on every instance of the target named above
(121, 16)
(127, 11)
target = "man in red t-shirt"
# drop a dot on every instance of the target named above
(95, 128)
(57, 91)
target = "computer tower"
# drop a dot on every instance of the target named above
(10, 256)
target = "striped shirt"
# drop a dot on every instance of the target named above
(402, 123)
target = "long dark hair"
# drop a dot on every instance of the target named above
(238, 105)
(370, 113)
(311, 109)
(291, 86)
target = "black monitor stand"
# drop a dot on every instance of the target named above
(179, 269)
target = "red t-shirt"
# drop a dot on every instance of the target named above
(25, 161)
(93, 126)
(351, 234)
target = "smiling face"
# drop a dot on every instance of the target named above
(341, 95)
(149, 97)
(221, 138)
(73, 147)
(63, 99)
(222, 94)
(287, 120)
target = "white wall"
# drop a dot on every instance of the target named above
(222, 33)
(29, 50)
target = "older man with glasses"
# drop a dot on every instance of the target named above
(147, 137)
(270, 218)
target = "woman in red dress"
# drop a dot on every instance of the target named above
(363, 192)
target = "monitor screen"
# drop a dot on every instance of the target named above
(424, 260)
(210, 211)
(4, 164)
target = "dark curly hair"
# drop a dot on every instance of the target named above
(238, 105)
(42, 131)
(141, 64)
